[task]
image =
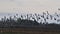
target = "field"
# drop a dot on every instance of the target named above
(28, 30)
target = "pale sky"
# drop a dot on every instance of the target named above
(29, 6)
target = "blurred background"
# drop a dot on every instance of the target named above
(29, 6)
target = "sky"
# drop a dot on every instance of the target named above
(29, 6)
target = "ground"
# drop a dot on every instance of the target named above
(28, 30)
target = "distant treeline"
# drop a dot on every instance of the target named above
(20, 22)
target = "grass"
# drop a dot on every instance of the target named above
(28, 31)
(10, 33)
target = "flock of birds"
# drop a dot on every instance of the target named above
(44, 18)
